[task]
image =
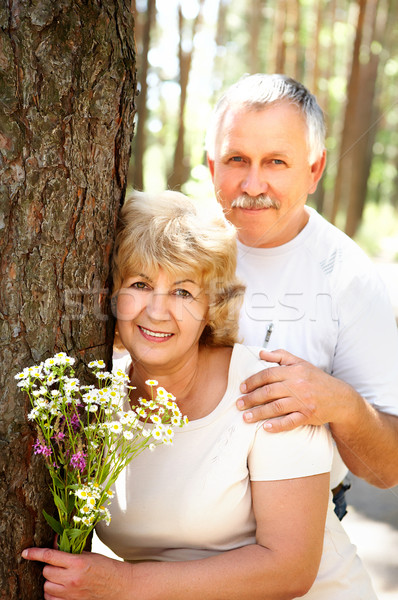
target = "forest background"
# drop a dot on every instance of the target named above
(344, 51)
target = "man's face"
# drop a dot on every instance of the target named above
(261, 173)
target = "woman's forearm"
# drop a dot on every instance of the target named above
(250, 572)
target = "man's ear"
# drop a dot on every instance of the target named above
(210, 162)
(317, 169)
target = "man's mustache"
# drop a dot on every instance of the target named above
(262, 201)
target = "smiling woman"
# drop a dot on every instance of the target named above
(230, 510)
(194, 246)
(161, 318)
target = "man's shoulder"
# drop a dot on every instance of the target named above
(335, 252)
(349, 271)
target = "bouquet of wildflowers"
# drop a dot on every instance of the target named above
(86, 439)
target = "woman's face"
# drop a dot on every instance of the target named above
(161, 317)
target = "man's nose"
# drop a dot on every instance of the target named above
(254, 184)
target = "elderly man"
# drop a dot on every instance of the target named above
(312, 297)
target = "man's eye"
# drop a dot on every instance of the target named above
(183, 293)
(236, 159)
(278, 161)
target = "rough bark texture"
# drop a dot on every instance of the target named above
(67, 85)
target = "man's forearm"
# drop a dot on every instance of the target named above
(368, 443)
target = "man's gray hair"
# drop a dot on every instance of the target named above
(258, 91)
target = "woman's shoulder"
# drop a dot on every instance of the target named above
(246, 360)
(121, 361)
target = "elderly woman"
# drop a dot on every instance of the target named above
(229, 510)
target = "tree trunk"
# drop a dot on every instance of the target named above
(367, 117)
(255, 23)
(67, 82)
(219, 59)
(279, 36)
(349, 133)
(315, 58)
(320, 198)
(296, 61)
(180, 170)
(140, 134)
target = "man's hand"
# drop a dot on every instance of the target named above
(294, 393)
(86, 576)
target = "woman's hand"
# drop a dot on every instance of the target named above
(84, 576)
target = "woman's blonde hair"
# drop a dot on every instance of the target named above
(170, 231)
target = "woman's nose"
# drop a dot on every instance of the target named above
(157, 306)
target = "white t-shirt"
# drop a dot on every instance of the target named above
(327, 305)
(192, 499)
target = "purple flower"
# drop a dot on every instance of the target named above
(78, 461)
(74, 421)
(58, 437)
(39, 448)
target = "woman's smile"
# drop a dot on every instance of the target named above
(154, 336)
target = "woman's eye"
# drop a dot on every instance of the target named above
(139, 285)
(183, 293)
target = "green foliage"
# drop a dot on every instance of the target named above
(378, 233)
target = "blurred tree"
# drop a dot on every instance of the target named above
(67, 84)
(220, 42)
(366, 114)
(296, 49)
(279, 40)
(326, 61)
(139, 143)
(350, 132)
(181, 165)
(360, 121)
(255, 24)
(314, 60)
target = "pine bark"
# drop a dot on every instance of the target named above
(67, 81)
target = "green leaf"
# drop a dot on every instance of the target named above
(63, 543)
(105, 473)
(71, 502)
(59, 503)
(58, 482)
(54, 524)
(75, 533)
